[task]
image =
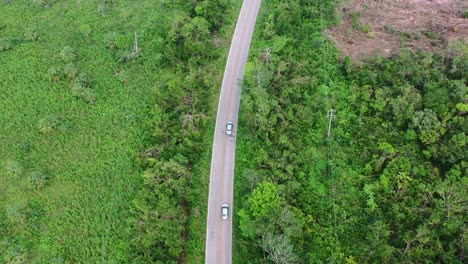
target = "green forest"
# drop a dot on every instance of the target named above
(388, 185)
(107, 115)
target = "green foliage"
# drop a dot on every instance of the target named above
(71, 169)
(264, 199)
(78, 97)
(356, 22)
(54, 74)
(427, 125)
(85, 30)
(85, 79)
(38, 179)
(5, 44)
(375, 191)
(170, 217)
(44, 3)
(67, 54)
(48, 124)
(110, 40)
(211, 11)
(266, 219)
(408, 35)
(70, 70)
(161, 224)
(80, 91)
(464, 13)
(189, 39)
(13, 168)
(31, 33)
(104, 7)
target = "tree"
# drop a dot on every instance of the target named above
(278, 248)
(427, 125)
(161, 217)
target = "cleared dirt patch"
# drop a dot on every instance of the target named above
(370, 27)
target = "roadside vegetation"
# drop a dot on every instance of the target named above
(388, 186)
(105, 128)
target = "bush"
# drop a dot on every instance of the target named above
(44, 3)
(13, 168)
(85, 93)
(111, 41)
(465, 13)
(70, 70)
(85, 29)
(5, 44)
(67, 54)
(84, 79)
(38, 179)
(31, 34)
(48, 124)
(54, 74)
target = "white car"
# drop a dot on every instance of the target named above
(224, 211)
(229, 127)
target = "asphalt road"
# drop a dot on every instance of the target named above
(219, 232)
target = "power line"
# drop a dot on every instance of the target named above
(331, 115)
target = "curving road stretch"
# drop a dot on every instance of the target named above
(219, 232)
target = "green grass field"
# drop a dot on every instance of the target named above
(68, 174)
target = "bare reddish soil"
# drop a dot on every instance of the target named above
(370, 27)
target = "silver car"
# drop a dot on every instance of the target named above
(229, 127)
(224, 211)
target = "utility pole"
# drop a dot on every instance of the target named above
(331, 115)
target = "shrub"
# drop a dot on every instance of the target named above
(13, 168)
(128, 56)
(5, 44)
(38, 179)
(85, 29)
(356, 20)
(122, 76)
(34, 211)
(48, 124)
(70, 70)
(102, 9)
(44, 3)
(84, 79)
(85, 93)
(111, 41)
(54, 74)
(67, 54)
(31, 34)
(104, 6)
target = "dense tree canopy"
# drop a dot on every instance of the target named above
(390, 184)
